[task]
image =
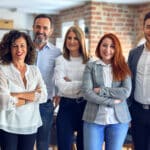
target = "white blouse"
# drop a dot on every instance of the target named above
(23, 119)
(73, 69)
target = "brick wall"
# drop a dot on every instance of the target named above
(125, 21)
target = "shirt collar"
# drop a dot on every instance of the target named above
(47, 45)
(145, 47)
(14, 68)
(99, 61)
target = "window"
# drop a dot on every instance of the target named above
(81, 24)
(65, 27)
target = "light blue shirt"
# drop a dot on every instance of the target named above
(46, 63)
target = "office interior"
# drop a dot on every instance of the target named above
(95, 18)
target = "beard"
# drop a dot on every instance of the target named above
(40, 40)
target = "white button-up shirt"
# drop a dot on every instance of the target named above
(24, 119)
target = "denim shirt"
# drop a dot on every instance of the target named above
(93, 78)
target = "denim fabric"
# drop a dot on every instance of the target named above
(69, 119)
(113, 135)
(43, 135)
(12, 141)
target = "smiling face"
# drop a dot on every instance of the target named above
(72, 43)
(19, 50)
(107, 50)
(42, 30)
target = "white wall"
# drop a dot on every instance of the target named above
(21, 20)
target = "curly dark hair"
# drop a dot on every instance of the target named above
(6, 43)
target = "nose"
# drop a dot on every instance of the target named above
(18, 48)
(40, 30)
(71, 40)
(108, 48)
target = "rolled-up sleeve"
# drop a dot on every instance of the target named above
(7, 102)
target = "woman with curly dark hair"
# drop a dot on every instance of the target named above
(22, 89)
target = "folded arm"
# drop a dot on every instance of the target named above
(104, 95)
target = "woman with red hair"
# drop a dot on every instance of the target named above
(106, 86)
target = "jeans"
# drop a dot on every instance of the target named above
(43, 135)
(69, 119)
(113, 135)
(10, 141)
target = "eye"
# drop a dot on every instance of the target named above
(76, 38)
(104, 45)
(147, 27)
(112, 46)
(37, 27)
(69, 38)
(45, 28)
(14, 45)
(22, 46)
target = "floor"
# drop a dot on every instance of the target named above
(126, 147)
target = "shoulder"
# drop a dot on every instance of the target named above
(33, 68)
(5, 67)
(53, 47)
(6, 71)
(91, 64)
(60, 58)
(139, 48)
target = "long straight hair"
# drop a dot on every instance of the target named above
(120, 68)
(81, 39)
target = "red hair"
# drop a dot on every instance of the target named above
(120, 68)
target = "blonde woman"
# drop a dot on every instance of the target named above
(68, 76)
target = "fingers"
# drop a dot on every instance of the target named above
(67, 79)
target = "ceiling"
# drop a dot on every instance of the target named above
(53, 6)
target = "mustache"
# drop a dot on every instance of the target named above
(40, 34)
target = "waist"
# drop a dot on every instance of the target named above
(143, 106)
(49, 101)
(72, 100)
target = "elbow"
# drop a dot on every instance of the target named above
(126, 93)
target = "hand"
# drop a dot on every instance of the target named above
(38, 89)
(56, 100)
(15, 95)
(20, 102)
(67, 79)
(96, 90)
(117, 101)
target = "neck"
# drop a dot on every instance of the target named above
(148, 45)
(75, 54)
(19, 65)
(39, 46)
(106, 61)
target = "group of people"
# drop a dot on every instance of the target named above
(92, 95)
